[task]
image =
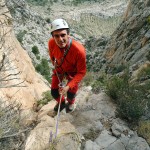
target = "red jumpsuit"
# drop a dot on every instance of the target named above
(72, 67)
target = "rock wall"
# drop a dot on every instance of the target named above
(130, 42)
(17, 62)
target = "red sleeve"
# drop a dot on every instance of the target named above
(81, 69)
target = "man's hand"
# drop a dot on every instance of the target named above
(64, 90)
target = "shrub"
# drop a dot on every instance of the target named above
(46, 98)
(132, 104)
(88, 79)
(35, 50)
(38, 57)
(144, 73)
(115, 85)
(118, 68)
(20, 36)
(148, 19)
(76, 2)
(44, 69)
(39, 68)
(131, 99)
(48, 20)
(99, 82)
(11, 114)
(148, 56)
(12, 133)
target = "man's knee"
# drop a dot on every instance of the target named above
(70, 95)
(55, 93)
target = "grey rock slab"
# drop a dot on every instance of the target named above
(90, 145)
(105, 139)
(137, 143)
(116, 146)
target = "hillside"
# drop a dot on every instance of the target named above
(129, 44)
(109, 115)
(16, 67)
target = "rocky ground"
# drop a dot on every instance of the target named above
(92, 126)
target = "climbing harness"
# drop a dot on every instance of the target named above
(65, 53)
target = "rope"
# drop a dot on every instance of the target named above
(58, 112)
(56, 125)
(58, 115)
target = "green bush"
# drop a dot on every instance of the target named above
(48, 20)
(38, 57)
(39, 68)
(44, 69)
(55, 1)
(46, 98)
(99, 82)
(35, 50)
(144, 73)
(88, 79)
(148, 56)
(148, 20)
(132, 105)
(20, 36)
(118, 68)
(115, 86)
(132, 100)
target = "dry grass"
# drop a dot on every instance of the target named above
(144, 130)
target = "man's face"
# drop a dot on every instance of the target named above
(61, 37)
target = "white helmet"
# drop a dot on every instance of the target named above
(59, 24)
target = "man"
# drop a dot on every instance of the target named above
(69, 59)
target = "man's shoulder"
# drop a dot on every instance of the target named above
(51, 41)
(77, 44)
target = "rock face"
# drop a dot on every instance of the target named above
(31, 29)
(17, 66)
(130, 42)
